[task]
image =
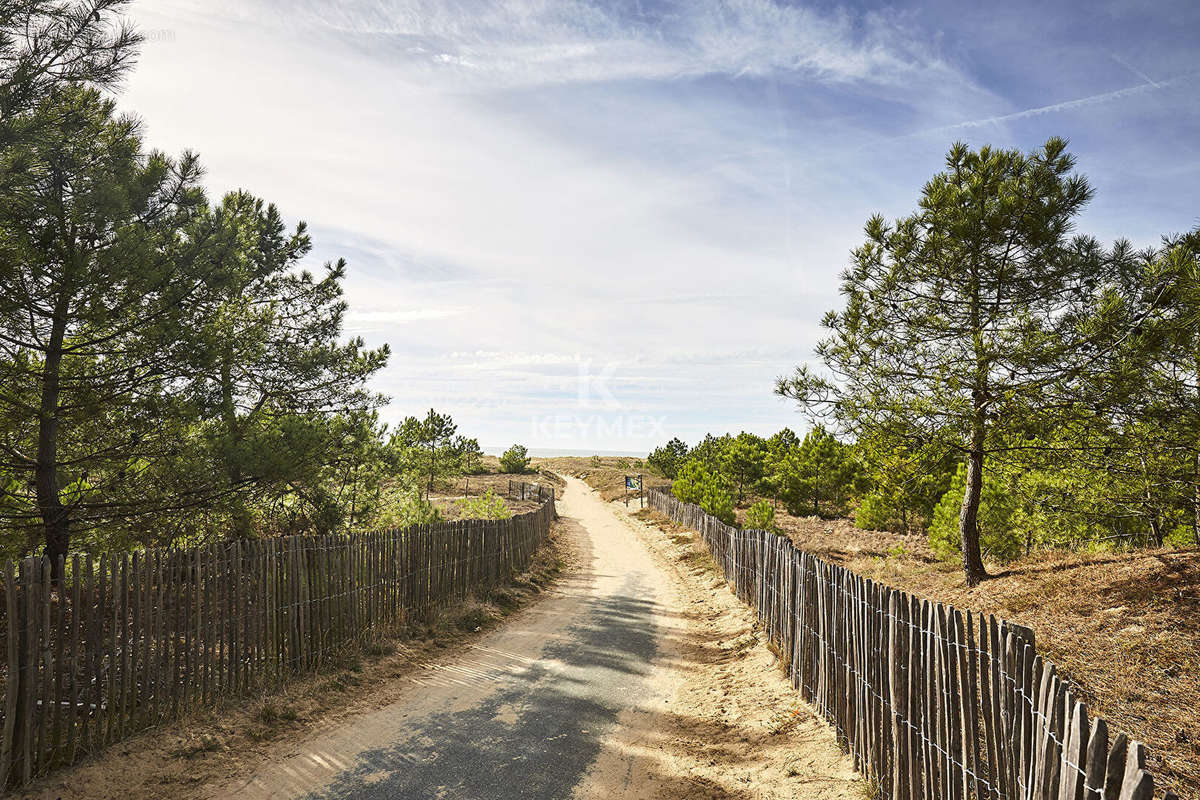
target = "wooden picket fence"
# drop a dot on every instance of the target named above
(933, 703)
(132, 639)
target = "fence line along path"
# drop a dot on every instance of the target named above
(128, 640)
(932, 702)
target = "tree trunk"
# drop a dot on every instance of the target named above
(1196, 502)
(968, 521)
(1153, 517)
(432, 467)
(816, 491)
(353, 498)
(240, 517)
(55, 522)
(1156, 533)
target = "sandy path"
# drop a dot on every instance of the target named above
(734, 728)
(617, 684)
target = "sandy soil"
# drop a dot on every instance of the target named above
(737, 729)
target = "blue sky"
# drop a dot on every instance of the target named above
(595, 226)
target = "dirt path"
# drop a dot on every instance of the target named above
(637, 676)
(525, 712)
(734, 728)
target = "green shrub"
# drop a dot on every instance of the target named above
(998, 539)
(761, 516)
(696, 484)
(401, 508)
(668, 459)
(688, 487)
(515, 460)
(1183, 536)
(875, 513)
(719, 503)
(486, 506)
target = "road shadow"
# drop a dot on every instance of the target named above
(536, 736)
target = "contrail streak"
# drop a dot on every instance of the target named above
(1066, 105)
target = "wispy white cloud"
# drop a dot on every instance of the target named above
(537, 42)
(529, 189)
(470, 222)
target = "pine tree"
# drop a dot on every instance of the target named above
(744, 462)
(514, 460)
(668, 459)
(818, 470)
(272, 367)
(965, 319)
(98, 288)
(46, 45)
(428, 448)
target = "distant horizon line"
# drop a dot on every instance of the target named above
(551, 452)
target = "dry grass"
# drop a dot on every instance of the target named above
(445, 495)
(1123, 627)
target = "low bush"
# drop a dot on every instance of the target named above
(486, 506)
(997, 538)
(761, 516)
(696, 484)
(515, 460)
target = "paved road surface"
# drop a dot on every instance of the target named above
(523, 715)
